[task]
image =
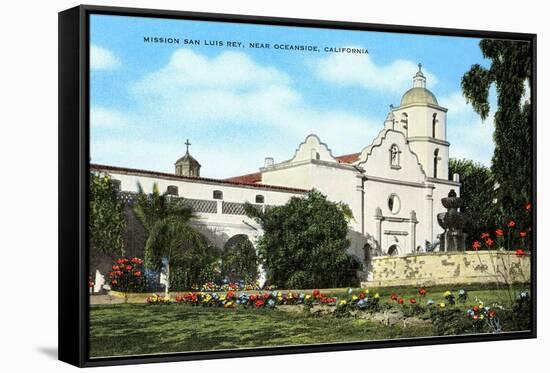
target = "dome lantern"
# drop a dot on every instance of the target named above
(187, 165)
(419, 94)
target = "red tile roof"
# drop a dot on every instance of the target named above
(348, 158)
(253, 178)
(133, 171)
(256, 177)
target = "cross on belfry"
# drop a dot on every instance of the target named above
(419, 67)
(187, 143)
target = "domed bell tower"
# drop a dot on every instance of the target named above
(424, 123)
(187, 165)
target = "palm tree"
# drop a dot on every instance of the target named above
(166, 222)
(171, 239)
(150, 208)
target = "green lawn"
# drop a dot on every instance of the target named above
(129, 329)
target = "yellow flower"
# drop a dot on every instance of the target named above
(279, 294)
(308, 296)
(481, 317)
(377, 295)
(366, 291)
(355, 297)
(342, 302)
(442, 305)
(447, 293)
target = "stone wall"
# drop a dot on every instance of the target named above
(429, 269)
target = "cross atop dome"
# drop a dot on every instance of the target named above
(419, 80)
(187, 165)
(187, 144)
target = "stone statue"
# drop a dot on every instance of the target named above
(453, 239)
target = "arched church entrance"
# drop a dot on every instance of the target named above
(239, 260)
(393, 250)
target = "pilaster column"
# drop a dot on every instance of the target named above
(430, 214)
(378, 216)
(414, 221)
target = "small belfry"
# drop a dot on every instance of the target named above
(424, 123)
(187, 165)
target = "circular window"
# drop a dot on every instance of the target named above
(394, 204)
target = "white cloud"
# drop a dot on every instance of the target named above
(470, 137)
(227, 98)
(102, 117)
(102, 59)
(361, 70)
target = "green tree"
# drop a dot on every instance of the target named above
(198, 265)
(150, 208)
(170, 238)
(107, 221)
(509, 71)
(478, 193)
(173, 243)
(239, 260)
(305, 241)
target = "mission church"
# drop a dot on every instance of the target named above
(393, 186)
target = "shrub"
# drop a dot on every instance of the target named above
(127, 275)
(305, 243)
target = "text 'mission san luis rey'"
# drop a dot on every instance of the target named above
(282, 46)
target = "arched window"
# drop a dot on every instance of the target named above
(218, 194)
(259, 198)
(405, 123)
(172, 190)
(116, 184)
(393, 250)
(436, 159)
(434, 123)
(394, 156)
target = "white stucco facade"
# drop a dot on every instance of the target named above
(393, 185)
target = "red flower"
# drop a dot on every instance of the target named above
(137, 273)
(128, 268)
(362, 295)
(485, 235)
(511, 224)
(393, 296)
(114, 282)
(230, 294)
(400, 300)
(475, 317)
(492, 313)
(476, 245)
(252, 297)
(475, 309)
(422, 291)
(116, 268)
(316, 293)
(412, 300)
(528, 207)
(520, 253)
(523, 234)
(489, 242)
(499, 232)
(266, 295)
(259, 303)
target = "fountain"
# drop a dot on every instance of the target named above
(452, 221)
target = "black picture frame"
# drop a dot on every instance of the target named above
(74, 174)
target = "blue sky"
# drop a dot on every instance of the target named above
(238, 105)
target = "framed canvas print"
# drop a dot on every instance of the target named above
(234, 186)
